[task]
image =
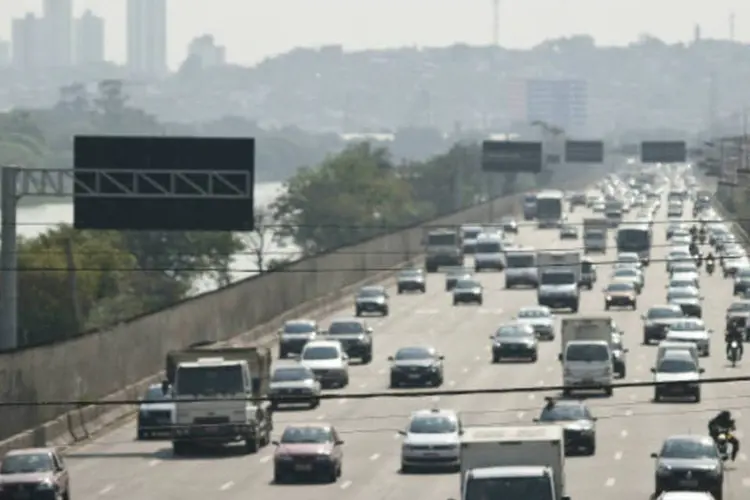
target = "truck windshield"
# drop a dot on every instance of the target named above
(528, 488)
(587, 352)
(632, 239)
(557, 278)
(209, 380)
(520, 261)
(441, 239)
(488, 247)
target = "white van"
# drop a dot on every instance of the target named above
(587, 363)
(489, 253)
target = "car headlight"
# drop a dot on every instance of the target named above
(715, 471)
(45, 485)
(663, 469)
(609, 297)
(283, 457)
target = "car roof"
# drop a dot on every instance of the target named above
(665, 306)
(30, 451)
(434, 412)
(300, 321)
(323, 343)
(375, 288)
(695, 438)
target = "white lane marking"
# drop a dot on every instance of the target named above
(742, 457)
(610, 482)
(265, 459)
(381, 371)
(532, 396)
(540, 383)
(738, 413)
(623, 433)
(628, 413)
(153, 463)
(549, 368)
(520, 415)
(618, 455)
(435, 399)
(343, 401)
(226, 486)
(362, 385)
(107, 489)
(638, 367)
(345, 484)
(374, 456)
(451, 383)
(632, 397)
(477, 358)
(464, 370)
(637, 381)
(321, 416)
(396, 436)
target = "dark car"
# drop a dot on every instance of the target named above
(577, 422)
(689, 463)
(468, 291)
(689, 300)
(452, 277)
(657, 319)
(34, 473)
(155, 413)
(620, 294)
(510, 225)
(619, 355)
(741, 281)
(310, 450)
(411, 280)
(295, 334)
(371, 299)
(514, 341)
(355, 336)
(418, 366)
(578, 199)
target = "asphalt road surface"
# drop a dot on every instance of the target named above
(630, 425)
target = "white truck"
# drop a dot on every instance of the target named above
(218, 395)
(559, 278)
(595, 235)
(586, 353)
(513, 462)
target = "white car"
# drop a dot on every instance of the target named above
(677, 366)
(691, 330)
(629, 258)
(685, 495)
(431, 440)
(328, 361)
(678, 256)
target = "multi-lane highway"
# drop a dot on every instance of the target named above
(630, 426)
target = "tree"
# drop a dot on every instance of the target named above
(263, 239)
(353, 195)
(63, 273)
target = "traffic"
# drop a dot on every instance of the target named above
(610, 284)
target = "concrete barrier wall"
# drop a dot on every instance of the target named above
(94, 366)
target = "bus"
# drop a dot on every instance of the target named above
(635, 238)
(549, 208)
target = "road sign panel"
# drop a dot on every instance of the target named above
(512, 156)
(663, 152)
(584, 152)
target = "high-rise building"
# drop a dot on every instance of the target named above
(204, 50)
(147, 37)
(89, 39)
(562, 103)
(58, 32)
(4, 54)
(28, 43)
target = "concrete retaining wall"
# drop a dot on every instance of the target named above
(119, 362)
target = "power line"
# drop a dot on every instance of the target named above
(388, 394)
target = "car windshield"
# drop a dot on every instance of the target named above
(299, 328)
(488, 247)
(688, 448)
(346, 328)
(512, 331)
(620, 287)
(411, 273)
(681, 283)
(316, 353)
(370, 292)
(155, 393)
(412, 353)
(668, 365)
(687, 326)
(465, 284)
(291, 374)
(625, 272)
(531, 488)
(679, 255)
(586, 352)
(557, 278)
(683, 268)
(739, 307)
(628, 259)
(682, 293)
(301, 435)
(27, 463)
(743, 274)
(433, 425)
(533, 313)
(663, 313)
(209, 380)
(520, 261)
(557, 413)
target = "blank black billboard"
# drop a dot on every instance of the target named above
(144, 154)
(512, 156)
(663, 152)
(584, 152)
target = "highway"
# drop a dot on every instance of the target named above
(630, 426)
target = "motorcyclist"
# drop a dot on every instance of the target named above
(710, 262)
(734, 334)
(723, 422)
(693, 248)
(694, 231)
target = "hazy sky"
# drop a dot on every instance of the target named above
(254, 29)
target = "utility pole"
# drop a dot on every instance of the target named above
(162, 184)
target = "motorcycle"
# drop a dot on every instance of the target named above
(734, 353)
(702, 237)
(722, 443)
(710, 266)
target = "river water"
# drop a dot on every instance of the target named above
(35, 220)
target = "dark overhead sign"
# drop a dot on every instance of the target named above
(663, 152)
(512, 156)
(169, 203)
(584, 152)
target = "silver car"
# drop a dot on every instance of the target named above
(294, 385)
(540, 318)
(431, 440)
(295, 334)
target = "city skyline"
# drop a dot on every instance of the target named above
(244, 30)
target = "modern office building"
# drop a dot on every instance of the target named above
(562, 103)
(147, 37)
(89, 39)
(204, 50)
(28, 43)
(58, 33)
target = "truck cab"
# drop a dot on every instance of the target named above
(587, 364)
(559, 279)
(443, 247)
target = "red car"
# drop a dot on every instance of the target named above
(34, 473)
(308, 450)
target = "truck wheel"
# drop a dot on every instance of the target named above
(252, 444)
(366, 358)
